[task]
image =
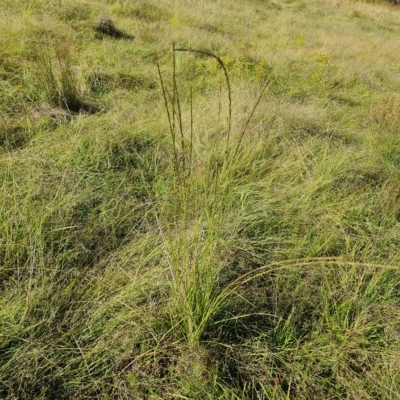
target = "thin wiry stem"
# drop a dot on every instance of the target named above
(4, 120)
(221, 63)
(173, 92)
(251, 116)
(281, 99)
(191, 131)
(231, 289)
(167, 96)
(178, 105)
(6, 125)
(219, 98)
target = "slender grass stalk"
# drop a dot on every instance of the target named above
(239, 143)
(176, 100)
(191, 132)
(5, 124)
(221, 63)
(219, 98)
(166, 97)
(233, 289)
(4, 120)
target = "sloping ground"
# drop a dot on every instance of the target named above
(163, 238)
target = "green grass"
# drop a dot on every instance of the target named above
(173, 238)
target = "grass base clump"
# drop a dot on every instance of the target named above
(58, 80)
(104, 25)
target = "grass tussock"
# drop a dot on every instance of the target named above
(225, 226)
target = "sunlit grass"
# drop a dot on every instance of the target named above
(226, 252)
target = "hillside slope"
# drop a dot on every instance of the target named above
(199, 199)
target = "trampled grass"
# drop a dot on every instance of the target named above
(226, 252)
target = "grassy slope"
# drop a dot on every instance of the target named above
(262, 274)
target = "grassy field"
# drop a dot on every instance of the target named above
(201, 201)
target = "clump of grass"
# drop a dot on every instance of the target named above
(104, 26)
(203, 302)
(57, 78)
(192, 243)
(13, 137)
